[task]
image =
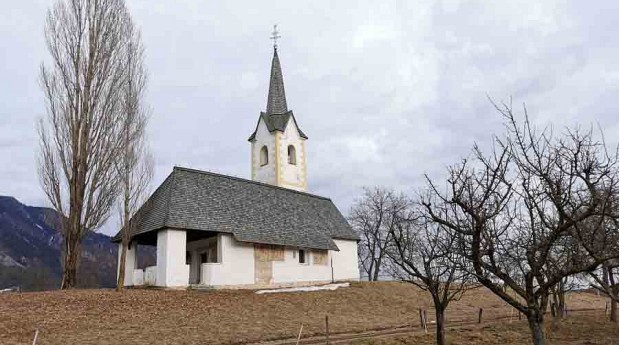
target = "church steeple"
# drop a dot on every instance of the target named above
(278, 144)
(276, 99)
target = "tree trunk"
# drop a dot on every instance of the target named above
(440, 329)
(561, 304)
(611, 282)
(370, 270)
(120, 282)
(375, 276)
(377, 269)
(557, 306)
(535, 322)
(70, 260)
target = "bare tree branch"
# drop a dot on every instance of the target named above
(79, 137)
(538, 209)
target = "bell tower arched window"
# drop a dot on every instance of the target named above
(264, 156)
(292, 157)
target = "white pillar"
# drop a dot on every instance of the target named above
(130, 263)
(171, 268)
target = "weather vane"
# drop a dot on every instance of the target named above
(275, 35)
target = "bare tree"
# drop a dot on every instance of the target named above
(517, 208)
(558, 295)
(134, 164)
(599, 237)
(424, 255)
(605, 280)
(79, 138)
(373, 217)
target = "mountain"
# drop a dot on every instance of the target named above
(31, 250)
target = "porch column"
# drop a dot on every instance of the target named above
(171, 268)
(130, 263)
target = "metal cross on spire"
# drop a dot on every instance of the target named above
(274, 36)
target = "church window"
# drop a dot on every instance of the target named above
(264, 156)
(302, 256)
(209, 254)
(292, 159)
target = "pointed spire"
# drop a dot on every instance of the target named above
(276, 100)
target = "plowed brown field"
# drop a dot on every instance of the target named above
(139, 316)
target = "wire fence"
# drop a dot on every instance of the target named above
(331, 336)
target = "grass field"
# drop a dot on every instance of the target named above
(222, 317)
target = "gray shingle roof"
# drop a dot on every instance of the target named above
(277, 122)
(276, 99)
(277, 115)
(251, 211)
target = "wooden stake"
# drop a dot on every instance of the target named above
(480, 315)
(422, 317)
(327, 329)
(425, 321)
(299, 336)
(36, 335)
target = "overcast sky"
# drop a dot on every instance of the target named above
(385, 93)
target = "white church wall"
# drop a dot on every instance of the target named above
(195, 248)
(291, 271)
(130, 263)
(345, 260)
(266, 173)
(150, 276)
(138, 277)
(236, 266)
(171, 268)
(292, 176)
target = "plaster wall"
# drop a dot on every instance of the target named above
(290, 270)
(171, 268)
(195, 248)
(265, 173)
(138, 277)
(291, 176)
(236, 266)
(345, 260)
(130, 263)
(150, 276)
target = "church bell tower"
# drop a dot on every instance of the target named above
(278, 152)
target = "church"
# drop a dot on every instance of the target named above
(222, 231)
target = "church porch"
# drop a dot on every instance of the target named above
(191, 257)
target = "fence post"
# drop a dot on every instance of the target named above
(299, 336)
(422, 317)
(480, 315)
(36, 335)
(327, 329)
(605, 308)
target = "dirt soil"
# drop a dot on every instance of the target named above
(578, 329)
(143, 316)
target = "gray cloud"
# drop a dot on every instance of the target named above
(385, 92)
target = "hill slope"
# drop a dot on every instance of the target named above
(155, 316)
(31, 248)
